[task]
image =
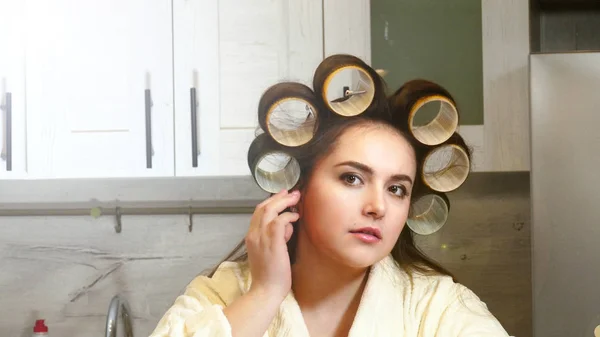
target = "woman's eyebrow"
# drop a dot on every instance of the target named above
(367, 170)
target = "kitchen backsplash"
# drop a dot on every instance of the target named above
(66, 269)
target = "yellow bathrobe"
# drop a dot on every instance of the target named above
(391, 305)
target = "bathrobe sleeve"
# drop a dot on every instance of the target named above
(198, 312)
(467, 316)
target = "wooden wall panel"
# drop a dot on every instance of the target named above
(505, 33)
(487, 245)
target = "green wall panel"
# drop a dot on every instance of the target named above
(438, 40)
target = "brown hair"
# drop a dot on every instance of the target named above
(405, 252)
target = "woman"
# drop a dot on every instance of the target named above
(333, 257)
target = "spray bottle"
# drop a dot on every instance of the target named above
(40, 329)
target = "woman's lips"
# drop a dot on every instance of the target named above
(367, 234)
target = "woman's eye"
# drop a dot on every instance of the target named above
(398, 190)
(350, 179)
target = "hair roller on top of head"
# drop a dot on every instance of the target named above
(348, 86)
(429, 112)
(288, 113)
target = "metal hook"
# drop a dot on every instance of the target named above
(118, 217)
(191, 216)
(309, 110)
(347, 95)
(352, 93)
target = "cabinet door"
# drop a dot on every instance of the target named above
(12, 91)
(230, 52)
(99, 88)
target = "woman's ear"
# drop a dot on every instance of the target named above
(298, 207)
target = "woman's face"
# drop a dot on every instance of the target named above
(357, 199)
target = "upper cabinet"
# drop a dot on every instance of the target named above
(171, 87)
(101, 89)
(563, 26)
(99, 84)
(12, 91)
(227, 53)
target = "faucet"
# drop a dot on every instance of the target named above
(113, 315)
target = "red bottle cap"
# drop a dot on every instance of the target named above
(40, 327)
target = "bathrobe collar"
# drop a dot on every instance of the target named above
(379, 312)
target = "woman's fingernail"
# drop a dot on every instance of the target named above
(296, 193)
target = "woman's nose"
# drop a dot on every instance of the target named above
(374, 204)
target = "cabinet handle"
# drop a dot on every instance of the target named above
(7, 154)
(148, 106)
(194, 113)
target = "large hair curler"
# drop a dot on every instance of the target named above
(428, 213)
(272, 166)
(289, 113)
(426, 110)
(446, 166)
(347, 86)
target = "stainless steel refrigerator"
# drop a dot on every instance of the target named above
(565, 193)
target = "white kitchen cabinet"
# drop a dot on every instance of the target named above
(88, 64)
(12, 91)
(230, 52)
(79, 73)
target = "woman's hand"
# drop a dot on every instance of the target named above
(266, 242)
(269, 261)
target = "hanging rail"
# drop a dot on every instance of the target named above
(118, 212)
(127, 211)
